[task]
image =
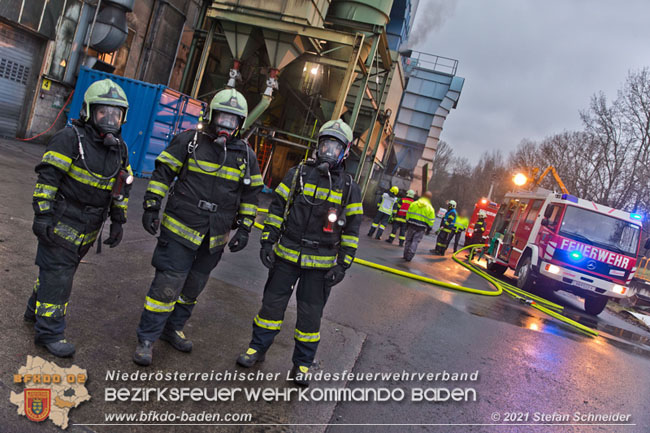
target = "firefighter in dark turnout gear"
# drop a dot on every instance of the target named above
(479, 228)
(314, 222)
(83, 178)
(399, 217)
(216, 189)
(447, 227)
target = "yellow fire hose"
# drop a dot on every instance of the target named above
(534, 301)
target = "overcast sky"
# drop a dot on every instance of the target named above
(530, 66)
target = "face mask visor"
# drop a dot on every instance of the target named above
(107, 118)
(329, 150)
(222, 121)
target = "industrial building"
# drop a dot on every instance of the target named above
(298, 62)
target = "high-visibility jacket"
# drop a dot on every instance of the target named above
(301, 238)
(461, 224)
(449, 220)
(65, 189)
(400, 209)
(421, 213)
(386, 203)
(210, 194)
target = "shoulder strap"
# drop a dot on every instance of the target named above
(292, 191)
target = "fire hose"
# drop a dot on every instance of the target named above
(541, 304)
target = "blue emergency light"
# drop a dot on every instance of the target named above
(569, 197)
(636, 216)
(575, 255)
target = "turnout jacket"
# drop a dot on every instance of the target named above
(208, 197)
(78, 202)
(301, 237)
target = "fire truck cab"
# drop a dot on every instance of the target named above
(490, 209)
(560, 242)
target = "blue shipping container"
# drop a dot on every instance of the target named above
(156, 114)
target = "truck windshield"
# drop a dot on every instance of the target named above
(601, 230)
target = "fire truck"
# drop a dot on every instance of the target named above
(490, 209)
(557, 241)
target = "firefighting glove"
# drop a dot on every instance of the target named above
(334, 276)
(151, 221)
(267, 255)
(42, 228)
(115, 236)
(428, 230)
(239, 241)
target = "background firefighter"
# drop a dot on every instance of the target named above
(399, 217)
(384, 211)
(314, 218)
(446, 229)
(81, 181)
(216, 189)
(419, 219)
(479, 228)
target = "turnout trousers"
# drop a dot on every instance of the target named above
(442, 241)
(311, 296)
(401, 226)
(181, 276)
(49, 299)
(457, 236)
(379, 223)
(414, 235)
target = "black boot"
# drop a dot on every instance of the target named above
(401, 243)
(390, 239)
(29, 315)
(299, 375)
(177, 340)
(371, 231)
(379, 233)
(250, 358)
(143, 353)
(61, 348)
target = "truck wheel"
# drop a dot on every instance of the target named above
(496, 268)
(525, 277)
(594, 305)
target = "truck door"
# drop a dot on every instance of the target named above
(511, 221)
(522, 230)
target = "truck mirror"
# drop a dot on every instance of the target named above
(549, 211)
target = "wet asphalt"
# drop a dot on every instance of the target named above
(528, 363)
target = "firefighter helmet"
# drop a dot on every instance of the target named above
(229, 101)
(410, 193)
(482, 214)
(394, 189)
(327, 148)
(451, 204)
(104, 92)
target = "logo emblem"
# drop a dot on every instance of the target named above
(37, 404)
(591, 265)
(233, 102)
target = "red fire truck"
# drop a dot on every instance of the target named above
(490, 209)
(560, 242)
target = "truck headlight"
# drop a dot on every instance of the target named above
(619, 289)
(552, 269)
